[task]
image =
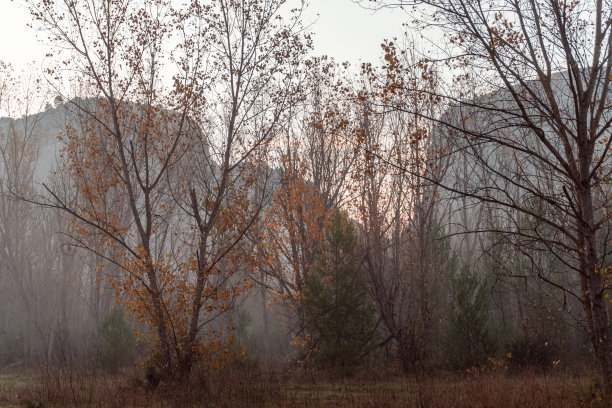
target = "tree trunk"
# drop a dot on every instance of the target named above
(592, 285)
(160, 323)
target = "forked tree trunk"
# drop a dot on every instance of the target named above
(166, 368)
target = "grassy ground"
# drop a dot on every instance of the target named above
(261, 388)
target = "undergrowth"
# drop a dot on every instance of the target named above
(252, 386)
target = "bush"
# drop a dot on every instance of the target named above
(533, 353)
(11, 350)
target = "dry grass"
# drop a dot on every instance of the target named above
(274, 388)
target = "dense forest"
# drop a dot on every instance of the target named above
(197, 210)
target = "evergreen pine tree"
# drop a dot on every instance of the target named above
(340, 317)
(468, 341)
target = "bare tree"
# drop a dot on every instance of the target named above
(399, 210)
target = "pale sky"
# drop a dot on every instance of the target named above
(351, 33)
(343, 30)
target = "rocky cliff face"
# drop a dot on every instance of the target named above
(40, 133)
